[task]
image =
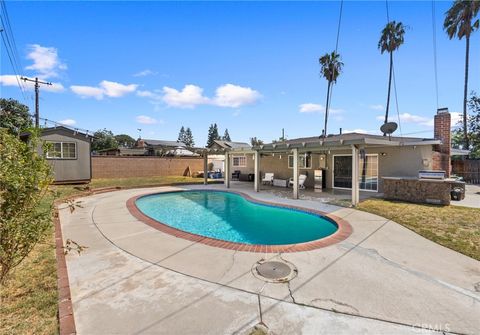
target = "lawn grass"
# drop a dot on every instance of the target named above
(454, 227)
(29, 299)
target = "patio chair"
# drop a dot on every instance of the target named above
(301, 181)
(268, 178)
(236, 175)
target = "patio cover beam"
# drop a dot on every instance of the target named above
(205, 168)
(256, 178)
(295, 173)
(355, 176)
(227, 170)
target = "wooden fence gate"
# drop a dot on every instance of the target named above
(468, 169)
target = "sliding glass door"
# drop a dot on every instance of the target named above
(368, 172)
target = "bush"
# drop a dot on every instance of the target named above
(25, 177)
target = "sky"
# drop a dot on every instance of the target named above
(251, 67)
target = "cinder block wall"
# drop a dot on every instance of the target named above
(124, 167)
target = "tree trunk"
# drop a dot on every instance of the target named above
(389, 88)
(465, 95)
(327, 105)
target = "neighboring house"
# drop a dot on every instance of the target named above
(121, 151)
(216, 150)
(163, 148)
(378, 156)
(69, 154)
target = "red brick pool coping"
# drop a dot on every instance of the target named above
(344, 229)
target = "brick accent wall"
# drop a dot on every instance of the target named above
(442, 131)
(124, 167)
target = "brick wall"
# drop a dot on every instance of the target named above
(123, 167)
(442, 131)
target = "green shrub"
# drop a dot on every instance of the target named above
(25, 177)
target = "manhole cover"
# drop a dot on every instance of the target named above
(275, 271)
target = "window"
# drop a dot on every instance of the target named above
(62, 150)
(304, 161)
(239, 161)
(368, 171)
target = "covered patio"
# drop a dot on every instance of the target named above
(349, 163)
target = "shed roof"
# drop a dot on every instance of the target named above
(164, 143)
(232, 145)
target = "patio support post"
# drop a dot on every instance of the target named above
(227, 170)
(205, 168)
(355, 176)
(256, 180)
(295, 173)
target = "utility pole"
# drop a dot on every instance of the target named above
(37, 91)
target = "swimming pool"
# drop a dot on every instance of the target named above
(231, 217)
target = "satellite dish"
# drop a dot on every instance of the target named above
(388, 128)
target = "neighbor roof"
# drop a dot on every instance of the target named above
(164, 143)
(232, 145)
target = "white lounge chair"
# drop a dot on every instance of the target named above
(301, 181)
(268, 178)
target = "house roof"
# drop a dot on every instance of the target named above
(347, 139)
(74, 133)
(164, 143)
(232, 145)
(459, 152)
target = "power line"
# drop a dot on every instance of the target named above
(37, 94)
(10, 46)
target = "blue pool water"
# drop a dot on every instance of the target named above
(230, 217)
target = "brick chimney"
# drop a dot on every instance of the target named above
(140, 143)
(442, 131)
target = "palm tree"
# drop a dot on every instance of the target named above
(458, 23)
(391, 39)
(331, 67)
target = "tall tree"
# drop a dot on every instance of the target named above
(459, 22)
(331, 67)
(391, 39)
(212, 134)
(188, 138)
(125, 140)
(181, 135)
(226, 136)
(104, 139)
(14, 116)
(255, 142)
(473, 128)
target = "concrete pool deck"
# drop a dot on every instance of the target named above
(382, 279)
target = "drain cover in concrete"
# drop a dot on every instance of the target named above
(275, 271)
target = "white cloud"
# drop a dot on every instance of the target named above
(143, 119)
(188, 97)
(149, 94)
(230, 95)
(45, 61)
(105, 88)
(456, 118)
(68, 122)
(359, 130)
(421, 120)
(11, 80)
(377, 107)
(145, 73)
(316, 108)
(88, 91)
(114, 90)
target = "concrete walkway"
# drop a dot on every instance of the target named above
(383, 279)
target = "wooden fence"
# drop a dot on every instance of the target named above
(468, 169)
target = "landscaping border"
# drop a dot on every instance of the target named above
(344, 228)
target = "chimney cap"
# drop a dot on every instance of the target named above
(443, 110)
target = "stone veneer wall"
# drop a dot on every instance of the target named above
(419, 190)
(124, 167)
